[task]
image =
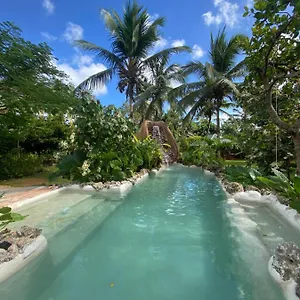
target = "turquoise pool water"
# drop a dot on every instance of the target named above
(172, 238)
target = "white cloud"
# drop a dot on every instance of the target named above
(49, 36)
(82, 60)
(160, 44)
(73, 32)
(81, 68)
(197, 51)
(210, 19)
(227, 13)
(49, 6)
(178, 43)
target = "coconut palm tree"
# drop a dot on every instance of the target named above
(133, 37)
(216, 84)
(161, 80)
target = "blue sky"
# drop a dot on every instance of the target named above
(59, 22)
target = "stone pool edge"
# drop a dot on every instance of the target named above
(289, 214)
(38, 246)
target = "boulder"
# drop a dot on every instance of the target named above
(250, 197)
(3, 256)
(286, 261)
(29, 232)
(252, 188)
(233, 187)
(98, 186)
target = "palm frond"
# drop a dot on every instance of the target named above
(96, 81)
(231, 85)
(164, 56)
(104, 55)
(194, 67)
(185, 89)
(238, 70)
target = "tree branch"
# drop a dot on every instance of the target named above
(277, 35)
(272, 112)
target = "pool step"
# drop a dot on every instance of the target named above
(47, 209)
(77, 233)
(67, 216)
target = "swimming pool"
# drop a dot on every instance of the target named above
(171, 238)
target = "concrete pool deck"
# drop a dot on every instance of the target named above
(12, 196)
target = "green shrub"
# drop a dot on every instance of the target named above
(201, 151)
(278, 183)
(243, 175)
(282, 185)
(16, 164)
(102, 146)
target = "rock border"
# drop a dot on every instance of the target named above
(289, 214)
(288, 286)
(236, 196)
(7, 269)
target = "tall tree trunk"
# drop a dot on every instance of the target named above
(218, 116)
(209, 122)
(130, 106)
(293, 129)
(296, 140)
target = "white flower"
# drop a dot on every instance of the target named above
(72, 137)
(85, 168)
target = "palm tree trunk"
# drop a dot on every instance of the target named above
(130, 106)
(218, 116)
(209, 123)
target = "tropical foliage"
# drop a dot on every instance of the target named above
(202, 151)
(44, 121)
(158, 90)
(102, 146)
(33, 103)
(133, 37)
(216, 85)
(273, 61)
(276, 182)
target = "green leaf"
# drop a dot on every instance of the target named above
(297, 184)
(252, 174)
(281, 176)
(260, 5)
(268, 182)
(17, 217)
(6, 217)
(5, 210)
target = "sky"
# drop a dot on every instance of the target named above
(60, 22)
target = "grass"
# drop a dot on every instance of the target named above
(235, 163)
(39, 179)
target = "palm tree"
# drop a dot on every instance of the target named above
(161, 81)
(132, 38)
(216, 78)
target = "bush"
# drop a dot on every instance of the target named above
(278, 183)
(102, 146)
(18, 164)
(201, 151)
